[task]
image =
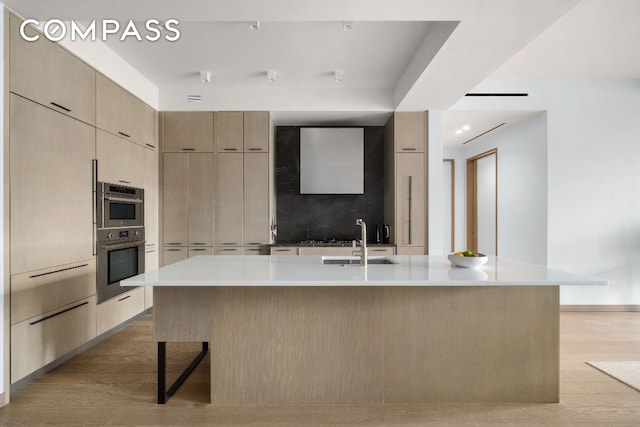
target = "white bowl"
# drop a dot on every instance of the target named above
(468, 261)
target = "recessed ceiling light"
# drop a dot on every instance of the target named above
(338, 75)
(466, 127)
(271, 75)
(194, 98)
(347, 25)
(458, 132)
(205, 76)
(254, 26)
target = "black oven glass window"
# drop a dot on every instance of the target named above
(122, 211)
(123, 263)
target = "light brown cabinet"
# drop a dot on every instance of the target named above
(46, 73)
(175, 198)
(51, 187)
(186, 131)
(410, 131)
(151, 196)
(122, 114)
(229, 197)
(410, 200)
(228, 131)
(119, 309)
(151, 263)
(119, 160)
(405, 202)
(173, 254)
(200, 188)
(188, 202)
(40, 340)
(45, 290)
(256, 199)
(257, 130)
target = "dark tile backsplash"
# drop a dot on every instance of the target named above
(327, 216)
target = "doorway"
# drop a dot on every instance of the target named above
(482, 203)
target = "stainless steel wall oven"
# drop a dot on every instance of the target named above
(119, 206)
(120, 243)
(120, 255)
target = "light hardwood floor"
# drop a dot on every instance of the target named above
(114, 383)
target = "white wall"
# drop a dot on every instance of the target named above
(522, 188)
(593, 141)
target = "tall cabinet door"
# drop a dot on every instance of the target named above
(176, 199)
(256, 198)
(410, 200)
(52, 183)
(200, 219)
(229, 199)
(151, 196)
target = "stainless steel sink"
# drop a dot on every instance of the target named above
(354, 260)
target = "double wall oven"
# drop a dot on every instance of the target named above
(120, 241)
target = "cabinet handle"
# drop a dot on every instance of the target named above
(150, 146)
(61, 107)
(124, 182)
(229, 250)
(254, 244)
(173, 250)
(57, 271)
(378, 250)
(122, 299)
(230, 244)
(58, 313)
(188, 149)
(284, 250)
(94, 203)
(124, 134)
(255, 149)
(198, 243)
(173, 243)
(410, 196)
(409, 149)
(198, 250)
(230, 149)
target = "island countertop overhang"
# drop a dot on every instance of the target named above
(309, 270)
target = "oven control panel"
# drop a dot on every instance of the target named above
(118, 235)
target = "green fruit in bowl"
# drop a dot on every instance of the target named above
(467, 253)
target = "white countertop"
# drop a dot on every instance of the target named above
(308, 270)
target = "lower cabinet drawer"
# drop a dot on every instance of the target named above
(280, 250)
(387, 250)
(200, 250)
(42, 339)
(255, 250)
(229, 250)
(42, 291)
(173, 254)
(119, 309)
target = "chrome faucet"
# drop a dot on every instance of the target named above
(363, 241)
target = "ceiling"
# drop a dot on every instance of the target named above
(464, 127)
(399, 54)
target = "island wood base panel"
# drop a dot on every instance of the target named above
(311, 345)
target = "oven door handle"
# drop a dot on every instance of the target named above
(114, 246)
(118, 199)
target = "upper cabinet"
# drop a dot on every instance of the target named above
(49, 75)
(256, 131)
(187, 131)
(410, 132)
(228, 131)
(122, 114)
(237, 131)
(119, 161)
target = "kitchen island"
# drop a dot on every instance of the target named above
(294, 330)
